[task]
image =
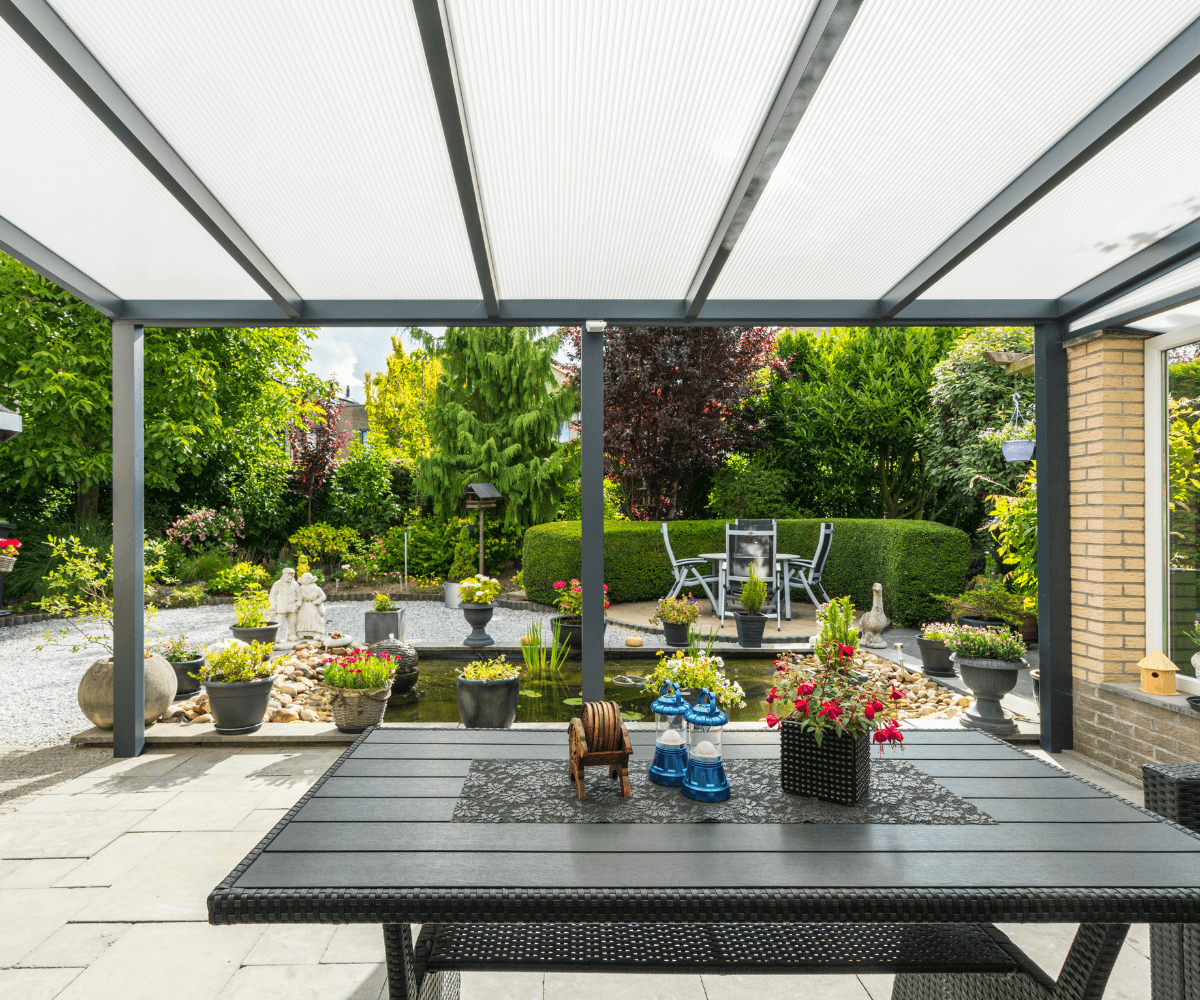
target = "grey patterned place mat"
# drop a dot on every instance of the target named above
(539, 791)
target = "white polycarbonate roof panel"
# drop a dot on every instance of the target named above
(68, 182)
(929, 109)
(608, 135)
(1182, 279)
(1133, 193)
(1171, 320)
(314, 124)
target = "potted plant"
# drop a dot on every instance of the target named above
(487, 693)
(935, 657)
(570, 602)
(750, 620)
(451, 596)
(1029, 618)
(360, 684)
(477, 594)
(185, 658)
(988, 660)
(830, 720)
(250, 610)
(384, 620)
(237, 680)
(987, 604)
(694, 671)
(1018, 442)
(675, 614)
(10, 548)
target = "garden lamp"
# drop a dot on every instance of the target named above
(704, 779)
(670, 750)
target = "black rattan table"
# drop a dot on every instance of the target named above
(375, 841)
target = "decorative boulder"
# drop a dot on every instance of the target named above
(96, 690)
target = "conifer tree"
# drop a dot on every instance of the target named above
(398, 399)
(495, 418)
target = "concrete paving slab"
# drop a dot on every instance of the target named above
(74, 945)
(502, 985)
(187, 961)
(173, 883)
(149, 764)
(34, 984)
(121, 856)
(301, 762)
(292, 944)
(261, 820)
(221, 810)
(816, 987)
(70, 835)
(30, 916)
(355, 943)
(40, 874)
(878, 986)
(611, 986)
(300, 982)
(286, 796)
(10, 865)
(83, 802)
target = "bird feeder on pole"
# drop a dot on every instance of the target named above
(481, 497)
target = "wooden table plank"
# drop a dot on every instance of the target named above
(823, 870)
(369, 788)
(1021, 788)
(682, 838)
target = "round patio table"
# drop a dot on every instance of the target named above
(781, 558)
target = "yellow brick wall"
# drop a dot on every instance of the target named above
(1106, 409)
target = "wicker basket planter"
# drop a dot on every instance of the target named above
(354, 709)
(839, 770)
(7, 563)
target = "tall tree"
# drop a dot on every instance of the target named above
(399, 398)
(315, 438)
(674, 401)
(495, 418)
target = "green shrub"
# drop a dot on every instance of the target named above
(237, 578)
(912, 559)
(204, 566)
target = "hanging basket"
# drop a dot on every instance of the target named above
(7, 563)
(354, 709)
(1017, 451)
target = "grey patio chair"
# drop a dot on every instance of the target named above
(807, 572)
(744, 548)
(687, 571)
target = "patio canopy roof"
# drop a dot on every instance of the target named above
(820, 162)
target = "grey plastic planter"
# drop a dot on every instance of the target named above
(450, 595)
(238, 708)
(675, 633)
(989, 680)
(935, 657)
(478, 615)
(487, 704)
(1017, 451)
(186, 685)
(262, 633)
(750, 629)
(378, 625)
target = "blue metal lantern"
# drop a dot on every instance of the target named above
(704, 780)
(670, 746)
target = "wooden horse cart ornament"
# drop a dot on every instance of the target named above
(599, 738)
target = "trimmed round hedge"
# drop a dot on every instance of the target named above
(912, 559)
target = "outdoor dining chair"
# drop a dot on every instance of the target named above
(687, 571)
(807, 572)
(744, 548)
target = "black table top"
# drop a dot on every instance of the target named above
(373, 842)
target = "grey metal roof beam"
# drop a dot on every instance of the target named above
(819, 44)
(1133, 314)
(48, 35)
(19, 244)
(440, 62)
(1168, 70)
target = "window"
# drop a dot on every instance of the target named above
(1182, 426)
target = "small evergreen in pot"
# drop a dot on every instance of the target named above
(935, 657)
(237, 680)
(252, 622)
(569, 598)
(477, 593)
(987, 604)
(360, 683)
(988, 660)
(487, 692)
(675, 614)
(750, 620)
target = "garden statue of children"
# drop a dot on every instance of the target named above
(310, 623)
(285, 602)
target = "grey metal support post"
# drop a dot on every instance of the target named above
(128, 594)
(1054, 536)
(591, 484)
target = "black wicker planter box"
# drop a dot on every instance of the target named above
(839, 770)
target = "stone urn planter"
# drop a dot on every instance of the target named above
(989, 681)
(261, 633)
(750, 629)
(187, 685)
(96, 690)
(354, 709)
(935, 657)
(487, 704)
(478, 615)
(380, 625)
(1035, 675)
(451, 595)
(675, 633)
(240, 707)
(570, 629)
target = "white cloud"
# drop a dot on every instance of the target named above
(344, 353)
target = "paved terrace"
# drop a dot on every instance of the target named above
(105, 867)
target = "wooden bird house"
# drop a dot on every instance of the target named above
(1158, 673)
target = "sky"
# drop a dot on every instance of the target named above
(343, 353)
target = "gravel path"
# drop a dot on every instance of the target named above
(37, 689)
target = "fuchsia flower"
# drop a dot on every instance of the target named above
(830, 710)
(805, 690)
(845, 652)
(772, 721)
(772, 695)
(897, 694)
(802, 706)
(869, 712)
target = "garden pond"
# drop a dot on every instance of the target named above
(556, 697)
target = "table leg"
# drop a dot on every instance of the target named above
(1083, 977)
(407, 979)
(1174, 962)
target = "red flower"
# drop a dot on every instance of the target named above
(829, 710)
(772, 721)
(869, 712)
(805, 690)
(876, 705)
(560, 584)
(897, 694)
(780, 667)
(772, 695)
(801, 706)
(845, 652)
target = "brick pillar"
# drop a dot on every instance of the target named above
(1106, 406)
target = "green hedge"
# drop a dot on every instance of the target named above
(912, 559)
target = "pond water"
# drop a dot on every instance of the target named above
(545, 700)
